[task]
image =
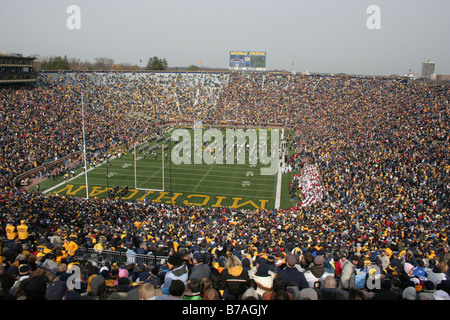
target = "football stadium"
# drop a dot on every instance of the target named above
(244, 184)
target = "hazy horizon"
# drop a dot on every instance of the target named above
(323, 36)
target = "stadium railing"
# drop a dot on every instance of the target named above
(119, 257)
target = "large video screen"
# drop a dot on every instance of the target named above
(248, 60)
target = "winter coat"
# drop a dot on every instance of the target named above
(236, 279)
(200, 271)
(348, 276)
(264, 284)
(316, 274)
(436, 275)
(178, 273)
(292, 274)
(388, 294)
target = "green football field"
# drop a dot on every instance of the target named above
(152, 176)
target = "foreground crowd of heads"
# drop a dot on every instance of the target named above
(381, 147)
(219, 272)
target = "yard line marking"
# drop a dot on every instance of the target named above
(203, 178)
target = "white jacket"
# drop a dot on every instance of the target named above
(264, 284)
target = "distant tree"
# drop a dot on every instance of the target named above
(124, 67)
(193, 68)
(56, 63)
(102, 63)
(157, 64)
(76, 64)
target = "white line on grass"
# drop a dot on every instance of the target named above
(63, 183)
(203, 178)
(278, 194)
(78, 175)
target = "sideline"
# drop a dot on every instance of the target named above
(278, 193)
(77, 176)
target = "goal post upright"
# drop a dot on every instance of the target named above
(135, 171)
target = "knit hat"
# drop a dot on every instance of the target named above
(56, 290)
(175, 260)
(410, 293)
(13, 270)
(123, 273)
(198, 256)
(98, 284)
(293, 289)
(24, 269)
(131, 294)
(262, 270)
(319, 260)
(308, 294)
(441, 295)
(176, 288)
(408, 267)
(72, 295)
(35, 288)
(246, 264)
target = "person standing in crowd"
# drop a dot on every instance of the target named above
(70, 246)
(11, 231)
(317, 274)
(177, 271)
(347, 280)
(22, 231)
(290, 273)
(200, 270)
(235, 277)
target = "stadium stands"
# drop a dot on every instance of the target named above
(381, 147)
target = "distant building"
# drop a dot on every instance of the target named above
(428, 69)
(16, 69)
(443, 79)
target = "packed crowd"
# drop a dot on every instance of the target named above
(381, 149)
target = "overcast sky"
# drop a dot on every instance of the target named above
(319, 36)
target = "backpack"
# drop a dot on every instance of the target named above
(360, 277)
(420, 273)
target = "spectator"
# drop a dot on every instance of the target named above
(211, 294)
(192, 291)
(177, 271)
(263, 276)
(409, 293)
(386, 292)
(147, 292)
(291, 274)
(330, 286)
(347, 280)
(438, 273)
(176, 291)
(316, 274)
(235, 277)
(56, 290)
(200, 270)
(308, 294)
(205, 284)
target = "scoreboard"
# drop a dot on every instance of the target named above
(248, 60)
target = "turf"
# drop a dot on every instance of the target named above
(239, 186)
